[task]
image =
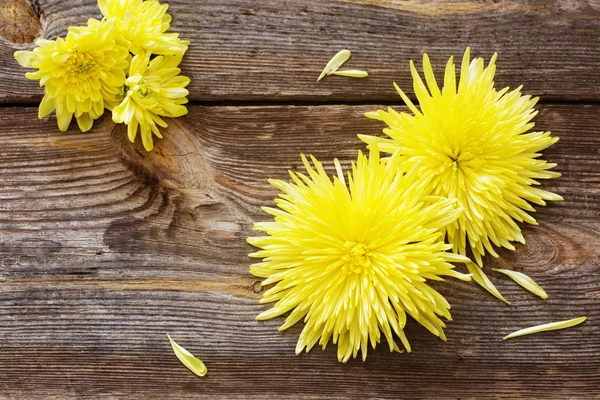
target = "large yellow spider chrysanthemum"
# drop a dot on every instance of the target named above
(143, 24)
(81, 74)
(352, 257)
(473, 143)
(154, 89)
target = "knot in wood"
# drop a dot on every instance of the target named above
(18, 21)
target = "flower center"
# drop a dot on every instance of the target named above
(356, 257)
(464, 159)
(81, 63)
(136, 84)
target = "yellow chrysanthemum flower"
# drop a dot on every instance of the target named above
(143, 25)
(154, 90)
(81, 74)
(352, 257)
(473, 143)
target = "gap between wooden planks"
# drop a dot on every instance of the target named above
(104, 248)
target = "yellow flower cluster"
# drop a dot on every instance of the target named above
(351, 256)
(111, 64)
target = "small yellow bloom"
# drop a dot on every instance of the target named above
(352, 257)
(154, 90)
(81, 74)
(474, 145)
(143, 25)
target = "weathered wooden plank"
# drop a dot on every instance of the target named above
(104, 248)
(272, 50)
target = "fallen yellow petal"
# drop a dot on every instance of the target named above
(188, 359)
(353, 73)
(525, 281)
(340, 58)
(546, 327)
(481, 278)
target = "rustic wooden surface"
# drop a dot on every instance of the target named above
(104, 248)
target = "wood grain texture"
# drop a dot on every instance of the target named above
(273, 50)
(105, 248)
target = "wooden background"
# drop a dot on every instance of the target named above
(104, 248)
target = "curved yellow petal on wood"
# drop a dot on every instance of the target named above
(546, 327)
(524, 281)
(192, 363)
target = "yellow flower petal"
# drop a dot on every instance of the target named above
(63, 117)
(546, 327)
(481, 278)
(192, 363)
(123, 112)
(132, 130)
(525, 281)
(24, 58)
(340, 58)
(146, 133)
(429, 77)
(174, 92)
(103, 5)
(46, 106)
(85, 122)
(353, 73)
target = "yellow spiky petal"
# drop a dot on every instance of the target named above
(143, 24)
(474, 145)
(81, 74)
(154, 90)
(352, 255)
